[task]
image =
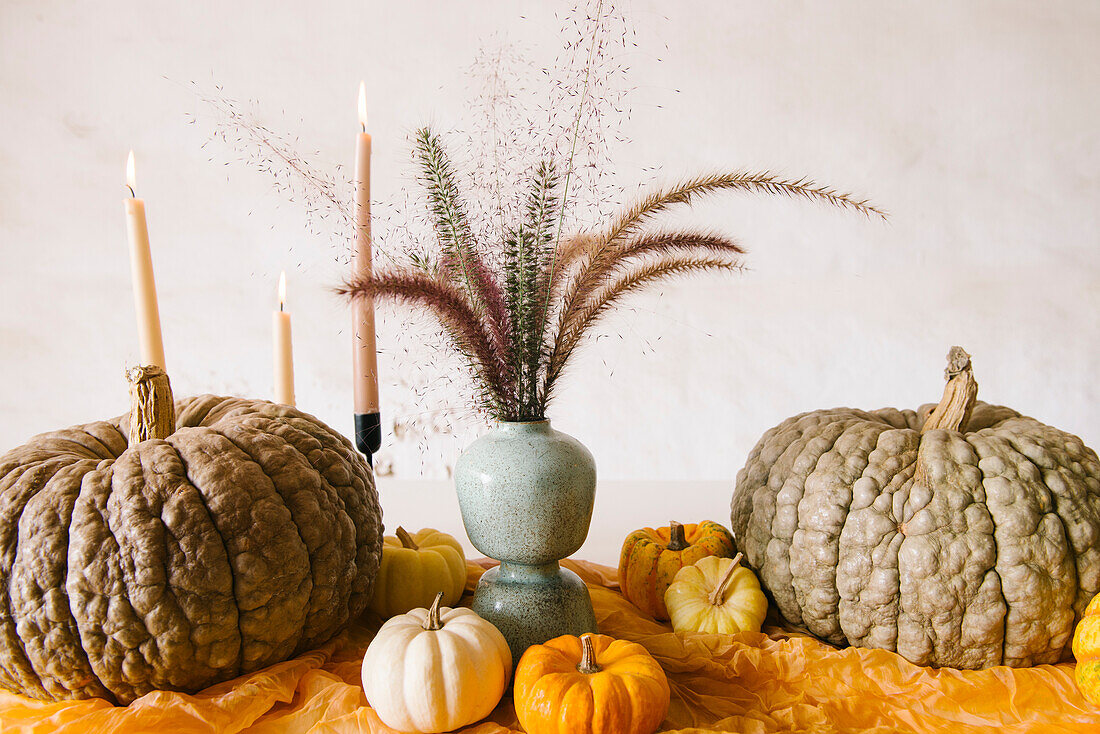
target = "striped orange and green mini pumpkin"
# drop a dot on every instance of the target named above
(651, 558)
(1086, 648)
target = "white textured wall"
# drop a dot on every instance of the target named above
(974, 124)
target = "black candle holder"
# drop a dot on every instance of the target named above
(368, 434)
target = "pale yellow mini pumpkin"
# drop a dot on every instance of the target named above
(434, 670)
(716, 595)
(414, 568)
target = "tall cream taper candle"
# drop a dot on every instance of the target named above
(284, 355)
(141, 269)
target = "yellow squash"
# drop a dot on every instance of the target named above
(414, 568)
(593, 684)
(1086, 648)
(716, 595)
(651, 558)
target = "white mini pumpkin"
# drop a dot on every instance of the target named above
(434, 670)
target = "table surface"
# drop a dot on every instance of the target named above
(774, 681)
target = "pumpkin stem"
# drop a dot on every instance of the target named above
(152, 410)
(406, 539)
(959, 395)
(432, 623)
(717, 596)
(588, 664)
(677, 541)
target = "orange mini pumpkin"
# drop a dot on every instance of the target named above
(651, 558)
(590, 685)
(1086, 648)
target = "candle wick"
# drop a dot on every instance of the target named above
(132, 194)
(363, 126)
(280, 306)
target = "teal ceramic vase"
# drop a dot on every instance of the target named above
(526, 493)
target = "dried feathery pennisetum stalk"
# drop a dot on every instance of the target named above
(571, 253)
(618, 256)
(543, 206)
(449, 219)
(577, 247)
(462, 323)
(490, 296)
(452, 226)
(603, 255)
(763, 182)
(526, 250)
(664, 242)
(607, 297)
(458, 246)
(659, 243)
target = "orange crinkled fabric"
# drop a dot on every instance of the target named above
(775, 681)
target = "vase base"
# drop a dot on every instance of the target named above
(533, 604)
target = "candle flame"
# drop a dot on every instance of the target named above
(130, 175)
(363, 105)
(282, 290)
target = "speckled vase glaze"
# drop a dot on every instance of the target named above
(526, 493)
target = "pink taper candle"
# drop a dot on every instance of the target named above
(367, 424)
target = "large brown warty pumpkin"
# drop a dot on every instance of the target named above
(249, 534)
(961, 535)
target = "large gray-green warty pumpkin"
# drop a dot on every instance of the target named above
(961, 535)
(251, 533)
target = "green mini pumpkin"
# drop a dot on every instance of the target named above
(962, 535)
(249, 534)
